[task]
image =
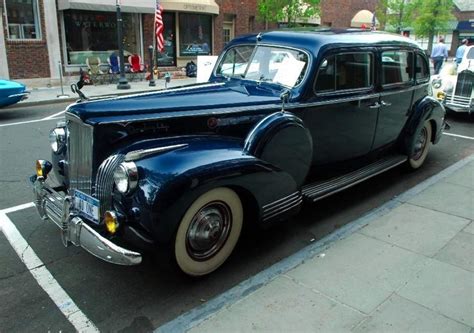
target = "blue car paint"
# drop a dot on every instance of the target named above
(11, 92)
(220, 155)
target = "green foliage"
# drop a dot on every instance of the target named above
(430, 17)
(393, 15)
(288, 11)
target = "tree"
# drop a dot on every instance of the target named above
(430, 17)
(393, 15)
(287, 10)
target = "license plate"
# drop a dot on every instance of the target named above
(87, 206)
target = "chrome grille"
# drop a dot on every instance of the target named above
(457, 100)
(464, 84)
(104, 181)
(80, 145)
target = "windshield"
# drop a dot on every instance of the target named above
(264, 63)
(470, 53)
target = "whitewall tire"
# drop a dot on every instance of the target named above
(208, 231)
(421, 144)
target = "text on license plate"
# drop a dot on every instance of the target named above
(87, 206)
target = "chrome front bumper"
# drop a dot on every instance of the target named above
(58, 208)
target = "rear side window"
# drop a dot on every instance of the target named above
(345, 71)
(397, 67)
(422, 69)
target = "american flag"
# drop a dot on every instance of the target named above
(159, 27)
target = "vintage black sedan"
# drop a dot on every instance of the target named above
(287, 117)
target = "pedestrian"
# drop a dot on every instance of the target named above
(460, 51)
(439, 54)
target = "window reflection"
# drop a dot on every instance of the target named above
(23, 22)
(94, 34)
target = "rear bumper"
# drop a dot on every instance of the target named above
(58, 208)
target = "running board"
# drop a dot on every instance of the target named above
(319, 190)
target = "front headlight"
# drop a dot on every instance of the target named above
(437, 83)
(57, 139)
(126, 177)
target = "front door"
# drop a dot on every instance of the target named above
(342, 114)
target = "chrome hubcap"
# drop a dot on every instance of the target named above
(420, 144)
(208, 230)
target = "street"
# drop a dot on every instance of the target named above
(141, 298)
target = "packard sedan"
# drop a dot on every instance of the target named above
(454, 86)
(287, 118)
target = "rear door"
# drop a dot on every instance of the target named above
(396, 77)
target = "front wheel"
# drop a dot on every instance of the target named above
(419, 146)
(208, 231)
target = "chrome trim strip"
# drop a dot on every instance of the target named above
(141, 153)
(157, 92)
(398, 91)
(281, 205)
(267, 206)
(284, 209)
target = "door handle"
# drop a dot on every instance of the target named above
(383, 103)
(376, 105)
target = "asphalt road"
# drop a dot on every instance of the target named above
(140, 298)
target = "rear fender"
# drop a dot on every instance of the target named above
(427, 108)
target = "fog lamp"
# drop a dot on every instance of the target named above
(440, 95)
(111, 222)
(43, 167)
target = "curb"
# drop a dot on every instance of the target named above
(197, 315)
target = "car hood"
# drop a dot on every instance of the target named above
(180, 101)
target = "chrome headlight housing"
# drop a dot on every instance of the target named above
(437, 83)
(126, 177)
(57, 139)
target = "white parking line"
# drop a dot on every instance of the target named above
(459, 136)
(44, 278)
(54, 115)
(28, 122)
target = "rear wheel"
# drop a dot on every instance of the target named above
(208, 231)
(420, 145)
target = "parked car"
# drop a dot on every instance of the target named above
(454, 86)
(11, 92)
(179, 171)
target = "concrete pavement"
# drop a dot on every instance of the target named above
(406, 267)
(52, 95)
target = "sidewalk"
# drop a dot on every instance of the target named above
(407, 266)
(50, 95)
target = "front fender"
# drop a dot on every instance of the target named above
(171, 181)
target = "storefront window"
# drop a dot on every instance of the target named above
(94, 34)
(23, 19)
(168, 56)
(195, 34)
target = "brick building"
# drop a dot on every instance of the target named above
(340, 13)
(38, 34)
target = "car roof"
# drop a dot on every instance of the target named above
(315, 39)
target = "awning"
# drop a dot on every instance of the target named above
(363, 18)
(142, 6)
(465, 25)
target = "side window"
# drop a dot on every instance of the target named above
(397, 67)
(422, 69)
(345, 72)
